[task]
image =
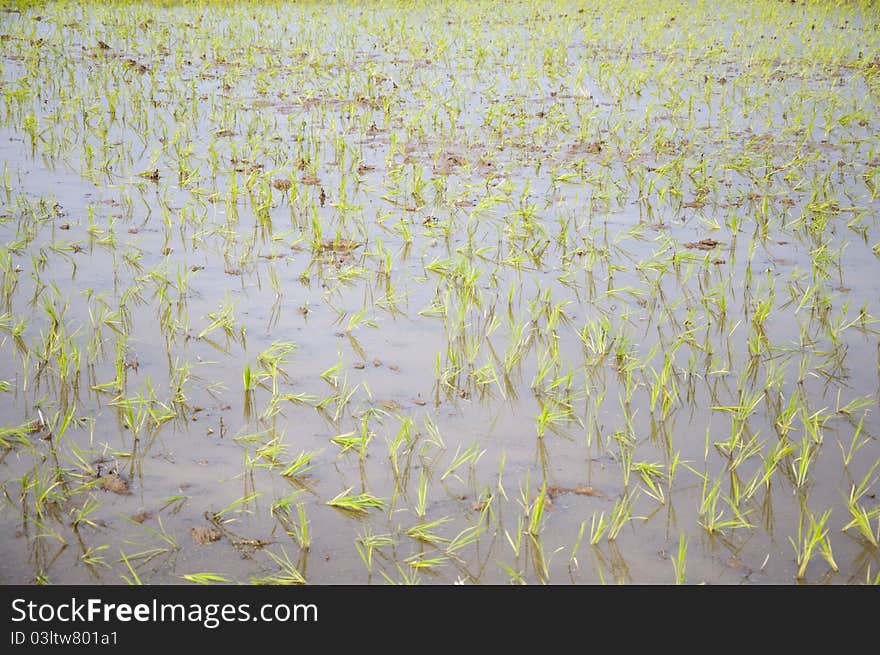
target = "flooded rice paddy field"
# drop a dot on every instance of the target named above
(440, 292)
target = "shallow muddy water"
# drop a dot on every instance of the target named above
(567, 293)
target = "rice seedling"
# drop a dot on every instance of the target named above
(409, 578)
(300, 465)
(464, 539)
(423, 562)
(536, 512)
(205, 578)
(620, 515)
(299, 530)
(288, 574)
(651, 475)
(854, 445)
(425, 531)
(470, 455)
(175, 502)
(357, 503)
(535, 210)
(861, 517)
(598, 528)
(352, 441)
(237, 506)
(812, 535)
(422, 501)
(678, 562)
(222, 318)
(367, 543)
(712, 516)
(132, 578)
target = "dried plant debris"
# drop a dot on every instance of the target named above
(702, 244)
(141, 517)
(115, 483)
(203, 536)
(338, 245)
(554, 490)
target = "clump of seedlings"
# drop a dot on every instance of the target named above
(542, 291)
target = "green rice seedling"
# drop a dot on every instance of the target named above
(539, 561)
(281, 506)
(237, 506)
(353, 441)
(651, 474)
(572, 558)
(269, 454)
(81, 514)
(861, 518)
(368, 542)
(299, 399)
(223, 318)
(516, 543)
(425, 531)
(470, 455)
(300, 529)
(711, 515)
(746, 451)
(92, 556)
(748, 404)
(626, 445)
(422, 501)
(621, 514)
(149, 554)
(176, 503)
(356, 320)
(672, 468)
(814, 424)
(467, 537)
(536, 512)
(432, 435)
(862, 522)
(300, 465)
(800, 466)
(171, 544)
(394, 455)
(47, 491)
(406, 578)
(205, 578)
(249, 379)
(329, 375)
(770, 464)
(809, 537)
(678, 563)
(674, 275)
(515, 576)
(132, 578)
(358, 503)
(423, 562)
(549, 416)
(854, 445)
(12, 437)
